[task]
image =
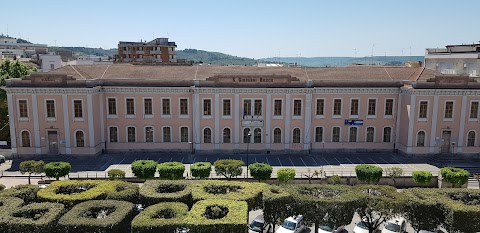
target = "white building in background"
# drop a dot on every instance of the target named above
(454, 59)
(50, 62)
(10, 48)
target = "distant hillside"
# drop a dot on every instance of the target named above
(85, 51)
(213, 57)
(343, 61)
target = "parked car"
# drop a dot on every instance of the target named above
(361, 227)
(257, 225)
(395, 225)
(293, 224)
(328, 228)
(2, 159)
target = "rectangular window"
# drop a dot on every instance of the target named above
(112, 106)
(257, 108)
(184, 134)
(354, 107)
(166, 107)
(77, 108)
(130, 106)
(167, 134)
(319, 134)
(23, 108)
(51, 108)
(388, 107)
(207, 107)
(227, 111)
(372, 107)
(247, 108)
(113, 134)
(474, 110)
(183, 106)
(423, 109)
(336, 134)
(148, 107)
(449, 110)
(297, 107)
(320, 107)
(387, 134)
(277, 108)
(337, 107)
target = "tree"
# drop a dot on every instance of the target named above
(378, 203)
(285, 174)
(171, 170)
(144, 169)
(335, 179)
(277, 204)
(228, 168)
(310, 175)
(418, 202)
(201, 170)
(260, 171)
(31, 167)
(368, 173)
(455, 176)
(422, 177)
(57, 169)
(394, 172)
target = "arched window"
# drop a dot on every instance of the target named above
(25, 138)
(131, 134)
(79, 139)
(148, 134)
(113, 134)
(336, 134)
(353, 134)
(257, 135)
(296, 135)
(370, 134)
(319, 134)
(387, 134)
(167, 134)
(277, 135)
(207, 135)
(246, 135)
(226, 135)
(421, 139)
(471, 138)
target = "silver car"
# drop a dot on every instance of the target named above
(2, 159)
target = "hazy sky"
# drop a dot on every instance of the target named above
(250, 28)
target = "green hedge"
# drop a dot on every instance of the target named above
(228, 168)
(116, 174)
(26, 192)
(368, 173)
(455, 176)
(418, 202)
(8, 204)
(276, 199)
(260, 171)
(422, 177)
(201, 170)
(32, 218)
(235, 219)
(462, 209)
(162, 217)
(156, 191)
(285, 174)
(229, 190)
(84, 217)
(123, 191)
(57, 169)
(171, 170)
(144, 169)
(2, 187)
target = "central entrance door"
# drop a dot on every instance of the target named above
(52, 142)
(446, 141)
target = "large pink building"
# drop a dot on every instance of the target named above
(123, 107)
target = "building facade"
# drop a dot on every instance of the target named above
(159, 50)
(199, 109)
(455, 59)
(12, 49)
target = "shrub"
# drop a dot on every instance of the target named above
(171, 170)
(99, 216)
(422, 177)
(7, 204)
(26, 192)
(455, 176)
(144, 169)
(57, 169)
(116, 174)
(462, 209)
(33, 218)
(156, 191)
(201, 170)
(418, 202)
(368, 173)
(260, 171)
(285, 174)
(2, 187)
(162, 217)
(71, 192)
(228, 168)
(335, 179)
(122, 191)
(220, 216)
(229, 190)
(31, 167)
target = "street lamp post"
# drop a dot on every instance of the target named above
(453, 152)
(248, 144)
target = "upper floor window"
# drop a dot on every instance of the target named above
(297, 107)
(112, 106)
(354, 107)
(423, 109)
(183, 106)
(130, 106)
(78, 108)
(320, 107)
(166, 106)
(388, 107)
(23, 108)
(337, 107)
(257, 111)
(277, 111)
(148, 107)
(372, 107)
(474, 110)
(51, 108)
(448, 110)
(207, 107)
(227, 111)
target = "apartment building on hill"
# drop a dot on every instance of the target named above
(159, 50)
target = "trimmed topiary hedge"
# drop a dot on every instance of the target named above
(171, 170)
(116, 174)
(2, 187)
(32, 218)
(228, 168)
(260, 171)
(144, 169)
(285, 174)
(419, 202)
(156, 191)
(462, 209)
(26, 192)
(370, 174)
(98, 216)
(57, 169)
(8, 204)
(162, 217)
(276, 199)
(455, 176)
(422, 177)
(229, 190)
(123, 191)
(201, 170)
(217, 215)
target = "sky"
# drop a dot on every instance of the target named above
(250, 28)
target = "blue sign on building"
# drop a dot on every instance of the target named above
(353, 122)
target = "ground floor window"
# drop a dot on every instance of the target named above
(296, 135)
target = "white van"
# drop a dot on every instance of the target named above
(293, 224)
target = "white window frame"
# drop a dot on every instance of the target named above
(171, 134)
(339, 134)
(470, 110)
(75, 138)
(316, 106)
(54, 108)
(333, 108)
(231, 109)
(180, 115)
(252, 108)
(180, 133)
(418, 114)
(297, 117)
(385, 108)
(374, 132)
(145, 133)
(73, 111)
(130, 116)
(126, 134)
(445, 108)
(350, 109)
(108, 133)
(277, 117)
(376, 108)
(170, 103)
(29, 138)
(111, 116)
(147, 116)
(203, 109)
(18, 111)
